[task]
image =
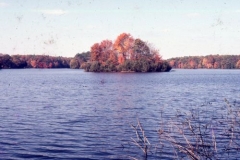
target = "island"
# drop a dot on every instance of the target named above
(125, 54)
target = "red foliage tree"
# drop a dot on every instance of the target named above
(95, 52)
(105, 50)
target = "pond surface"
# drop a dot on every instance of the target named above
(72, 114)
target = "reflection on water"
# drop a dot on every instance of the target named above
(64, 113)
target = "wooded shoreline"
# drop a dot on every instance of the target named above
(209, 62)
(46, 61)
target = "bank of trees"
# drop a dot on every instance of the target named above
(125, 54)
(209, 61)
(104, 58)
(33, 61)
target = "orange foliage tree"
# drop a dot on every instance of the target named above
(124, 47)
(238, 64)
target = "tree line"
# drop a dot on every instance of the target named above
(85, 60)
(125, 54)
(33, 61)
(209, 61)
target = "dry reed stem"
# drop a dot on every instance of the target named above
(142, 142)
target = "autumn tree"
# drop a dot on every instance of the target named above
(238, 64)
(124, 47)
(192, 63)
(208, 61)
(95, 52)
(106, 49)
(101, 52)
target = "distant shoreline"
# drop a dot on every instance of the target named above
(207, 62)
(52, 62)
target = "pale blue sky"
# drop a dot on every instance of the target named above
(66, 27)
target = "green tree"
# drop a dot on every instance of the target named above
(95, 67)
(74, 64)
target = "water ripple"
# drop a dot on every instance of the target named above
(69, 114)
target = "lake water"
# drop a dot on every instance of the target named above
(72, 114)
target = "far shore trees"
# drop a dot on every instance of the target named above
(32, 61)
(209, 62)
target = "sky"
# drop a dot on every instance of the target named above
(67, 27)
